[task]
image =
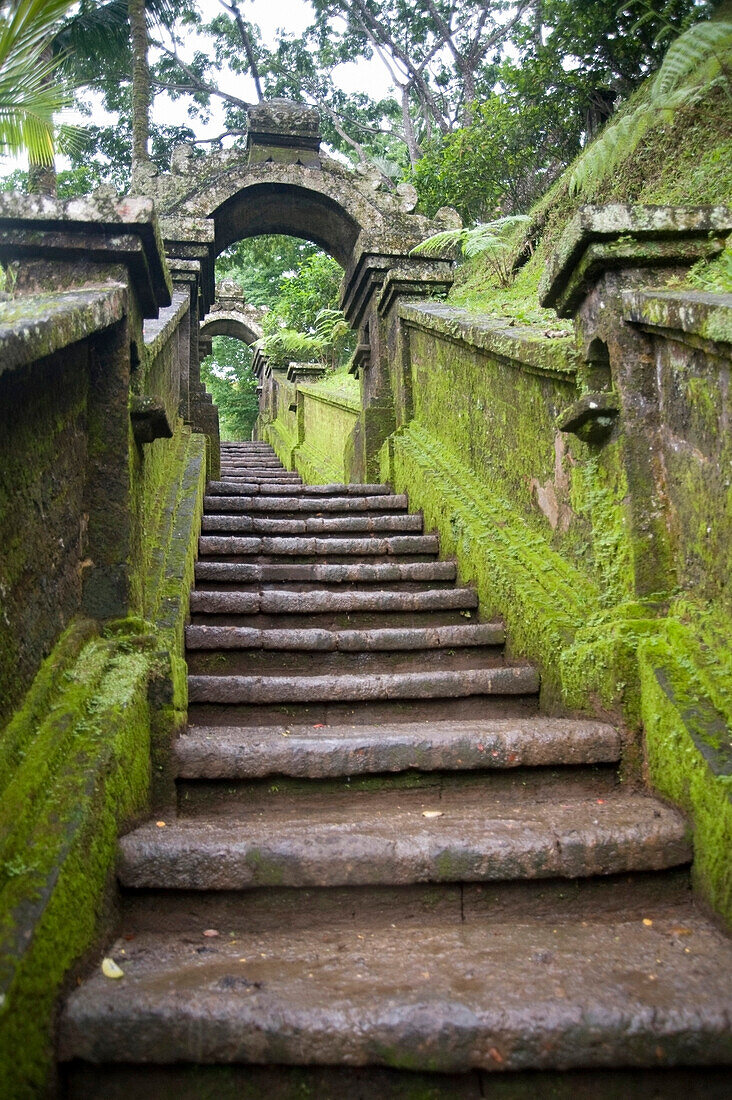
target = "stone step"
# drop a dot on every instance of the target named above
(313, 525)
(268, 662)
(241, 487)
(236, 573)
(363, 713)
(373, 837)
(283, 601)
(506, 680)
(233, 753)
(348, 641)
(448, 995)
(387, 503)
(261, 476)
(295, 546)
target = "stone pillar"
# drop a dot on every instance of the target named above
(58, 247)
(372, 288)
(605, 252)
(189, 247)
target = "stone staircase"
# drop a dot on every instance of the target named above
(383, 854)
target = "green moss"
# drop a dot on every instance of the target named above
(51, 907)
(542, 597)
(687, 745)
(75, 764)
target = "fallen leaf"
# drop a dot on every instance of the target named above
(111, 970)
(210, 932)
(680, 930)
(432, 813)
(647, 921)
(160, 824)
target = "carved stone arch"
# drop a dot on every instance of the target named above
(281, 183)
(230, 324)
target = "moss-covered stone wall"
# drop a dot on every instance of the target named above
(43, 463)
(542, 524)
(315, 424)
(91, 520)
(80, 760)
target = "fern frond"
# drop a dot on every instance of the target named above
(328, 323)
(486, 237)
(700, 44)
(446, 243)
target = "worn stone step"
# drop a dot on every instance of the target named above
(384, 838)
(237, 486)
(348, 641)
(363, 712)
(238, 573)
(316, 505)
(437, 684)
(259, 475)
(283, 601)
(297, 546)
(270, 908)
(232, 753)
(267, 662)
(239, 800)
(441, 995)
(313, 525)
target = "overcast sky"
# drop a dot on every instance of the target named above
(293, 16)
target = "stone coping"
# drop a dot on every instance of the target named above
(636, 226)
(699, 313)
(339, 401)
(519, 345)
(156, 333)
(34, 326)
(95, 228)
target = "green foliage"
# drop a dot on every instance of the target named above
(227, 375)
(494, 239)
(31, 92)
(303, 293)
(304, 323)
(501, 162)
(258, 265)
(698, 60)
(714, 275)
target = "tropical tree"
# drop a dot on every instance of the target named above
(31, 91)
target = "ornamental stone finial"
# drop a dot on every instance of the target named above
(282, 130)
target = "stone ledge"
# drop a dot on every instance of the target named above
(518, 345)
(156, 333)
(34, 326)
(340, 402)
(94, 229)
(620, 235)
(698, 313)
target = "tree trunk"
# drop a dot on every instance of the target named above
(409, 134)
(140, 84)
(42, 177)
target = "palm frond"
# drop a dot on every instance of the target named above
(30, 92)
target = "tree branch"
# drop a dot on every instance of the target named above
(232, 7)
(197, 84)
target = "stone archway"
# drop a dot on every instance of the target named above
(282, 182)
(232, 315)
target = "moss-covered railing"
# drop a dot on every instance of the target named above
(101, 489)
(310, 416)
(579, 471)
